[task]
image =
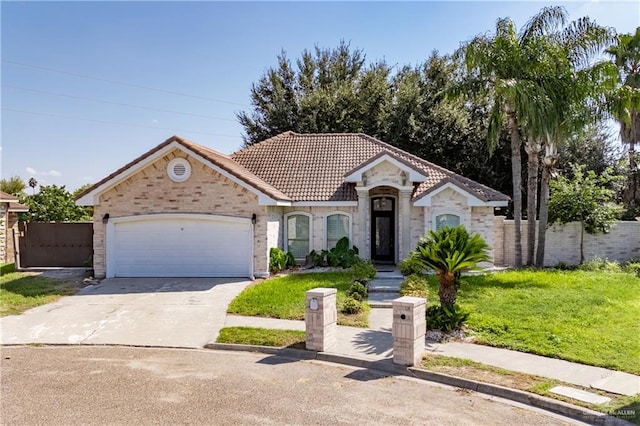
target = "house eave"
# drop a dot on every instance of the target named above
(92, 198)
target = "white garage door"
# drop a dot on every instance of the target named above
(179, 246)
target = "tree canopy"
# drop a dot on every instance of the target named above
(13, 185)
(54, 204)
(585, 198)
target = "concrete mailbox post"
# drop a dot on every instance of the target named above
(409, 328)
(321, 319)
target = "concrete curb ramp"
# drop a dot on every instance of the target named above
(386, 365)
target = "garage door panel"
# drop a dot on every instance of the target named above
(182, 247)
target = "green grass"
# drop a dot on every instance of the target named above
(284, 297)
(7, 268)
(21, 291)
(627, 407)
(262, 337)
(587, 317)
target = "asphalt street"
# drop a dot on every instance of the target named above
(100, 385)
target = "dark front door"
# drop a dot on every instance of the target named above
(383, 229)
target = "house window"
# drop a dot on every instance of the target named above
(298, 235)
(337, 227)
(449, 220)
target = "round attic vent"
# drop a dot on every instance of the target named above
(179, 169)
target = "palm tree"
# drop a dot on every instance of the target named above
(625, 104)
(33, 183)
(572, 86)
(450, 251)
(508, 64)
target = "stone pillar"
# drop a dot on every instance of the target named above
(321, 319)
(363, 229)
(405, 223)
(409, 328)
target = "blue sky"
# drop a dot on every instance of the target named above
(77, 77)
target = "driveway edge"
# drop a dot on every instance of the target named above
(573, 411)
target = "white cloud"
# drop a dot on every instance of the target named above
(35, 172)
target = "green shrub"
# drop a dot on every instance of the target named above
(279, 260)
(410, 266)
(342, 255)
(357, 291)
(351, 306)
(562, 266)
(318, 259)
(598, 264)
(632, 267)
(415, 285)
(445, 318)
(363, 271)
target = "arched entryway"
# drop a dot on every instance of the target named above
(383, 216)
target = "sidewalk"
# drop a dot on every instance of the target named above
(376, 343)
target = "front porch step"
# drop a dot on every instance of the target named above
(384, 286)
(382, 299)
(389, 275)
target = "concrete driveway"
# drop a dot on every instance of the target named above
(174, 312)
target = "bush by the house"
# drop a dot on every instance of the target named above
(415, 286)
(357, 291)
(351, 306)
(363, 271)
(279, 260)
(411, 266)
(445, 318)
(342, 255)
(318, 258)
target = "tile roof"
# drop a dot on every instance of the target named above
(311, 167)
(14, 205)
(221, 160)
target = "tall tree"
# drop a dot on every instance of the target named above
(329, 90)
(571, 85)
(625, 105)
(507, 62)
(13, 185)
(451, 132)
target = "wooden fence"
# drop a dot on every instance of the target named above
(55, 244)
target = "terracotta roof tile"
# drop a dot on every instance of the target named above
(311, 167)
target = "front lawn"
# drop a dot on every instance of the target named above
(587, 317)
(21, 291)
(284, 297)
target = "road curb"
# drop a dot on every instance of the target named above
(573, 411)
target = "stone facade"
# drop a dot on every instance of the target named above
(150, 190)
(563, 243)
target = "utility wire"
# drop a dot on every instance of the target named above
(114, 103)
(118, 123)
(38, 67)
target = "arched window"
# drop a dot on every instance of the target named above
(337, 226)
(298, 234)
(443, 220)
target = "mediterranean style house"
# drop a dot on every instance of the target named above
(185, 210)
